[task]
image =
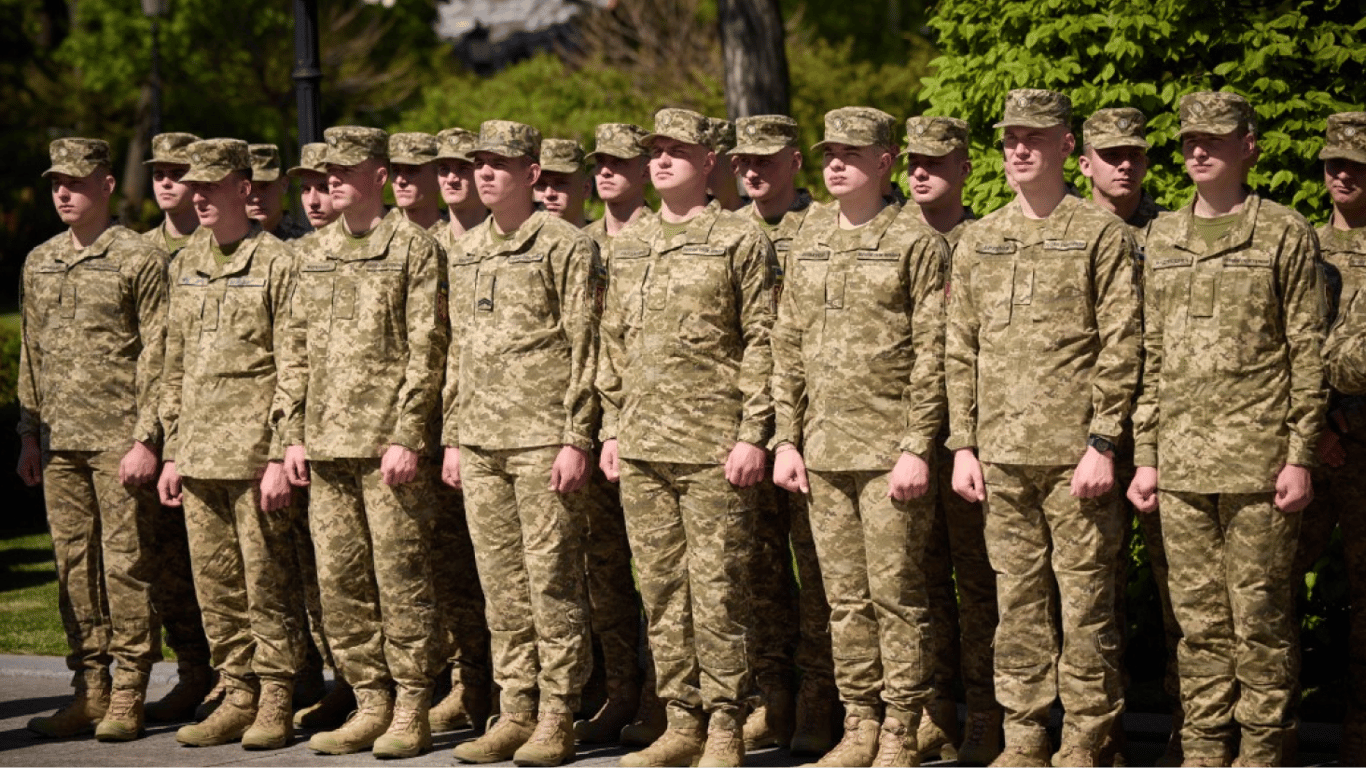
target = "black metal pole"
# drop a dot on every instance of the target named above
(307, 71)
(156, 78)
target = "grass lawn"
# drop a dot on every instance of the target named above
(29, 620)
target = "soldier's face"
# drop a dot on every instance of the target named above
(848, 168)
(267, 200)
(1116, 172)
(933, 179)
(457, 184)
(415, 185)
(767, 176)
(563, 193)
(1035, 154)
(619, 178)
(316, 200)
(1214, 158)
(171, 194)
(504, 180)
(352, 184)
(675, 165)
(78, 198)
(214, 201)
(1346, 181)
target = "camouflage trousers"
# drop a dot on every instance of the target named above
(957, 568)
(102, 540)
(1045, 544)
(614, 606)
(246, 577)
(688, 528)
(1230, 558)
(306, 604)
(173, 594)
(870, 548)
(462, 630)
(528, 543)
(372, 543)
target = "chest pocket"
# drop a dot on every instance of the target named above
(1060, 284)
(314, 294)
(878, 278)
(994, 282)
(807, 274)
(698, 275)
(628, 274)
(1248, 306)
(95, 295)
(523, 288)
(246, 311)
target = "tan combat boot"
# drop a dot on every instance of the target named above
(410, 732)
(466, 706)
(552, 743)
(938, 734)
(229, 720)
(374, 712)
(82, 713)
(273, 727)
(123, 720)
(771, 723)
(649, 723)
(725, 746)
(676, 747)
(604, 727)
(501, 742)
(1028, 752)
(982, 740)
(178, 705)
(331, 712)
(897, 747)
(212, 699)
(813, 731)
(1075, 755)
(859, 745)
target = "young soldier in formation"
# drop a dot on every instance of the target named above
(222, 408)
(956, 564)
(621, 174)
(314, 197)
(519, 409)
(1345, 350)
(369, 313)
(859, 392)
(1042, 361)
(1225, 429)
(90, 358)
(169, 162)
(266, 203)
(721, 179)
(684, 370)
(416, 188)
(563, 186)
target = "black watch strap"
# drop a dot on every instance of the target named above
(1101, 444)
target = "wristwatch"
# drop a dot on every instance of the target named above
(1101, 444)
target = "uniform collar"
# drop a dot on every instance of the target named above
(375, 244)
(519, 240)
(865, 238)
(71, 256)
(697, 230)
(1239, 235)
(199, 251)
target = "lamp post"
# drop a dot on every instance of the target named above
(307, 71)
(154, 10)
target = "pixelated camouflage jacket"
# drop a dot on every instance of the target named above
(1345, 350)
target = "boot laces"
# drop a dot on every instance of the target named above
(403, 718)
(123, 701)
(889, 745)
(547, 726)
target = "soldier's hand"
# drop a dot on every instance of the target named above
(1094, 475)
(609, 462)
(168, 487)
(910, 478)
(789, 471)
(296, 465)
(450, 467)
(398, 465)
(275, 488)
(570, 470)
(30, 467)
(1143, 489)
(1330, 450)
(746, 464)
(138, 466)
(1294, 489)
(967, 476)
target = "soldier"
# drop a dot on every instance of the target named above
(621, 174)
(1041, 364)
(519, 407)
(683, 374)
(314, 197)
(1345, 349)
(93, 325)
(563, 186)
(455, 171)
(222, 408)
(1225, 429)
(169, 163)
(721, 181)
(417, 190)
(956, 564)
(267, 201)
(369, 311)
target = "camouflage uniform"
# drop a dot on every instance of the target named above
(265, 169)
(168, 148)
(683, 374)
(369, 312)
(1241, 395)
(89, 378)
(1055, 298)
(858, 381)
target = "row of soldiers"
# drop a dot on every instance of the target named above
(917, 403)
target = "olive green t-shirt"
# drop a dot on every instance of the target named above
(1211, 229)
(222, 254)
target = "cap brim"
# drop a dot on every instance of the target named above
(300, 170)
(620, 154)
(928, 150)
(410, 160)
(651, 138)
(1213, 129)
(348, 158)
(502, 150)
(164, 161)
(1342, 153)
(74, 170)
(557, 168)
(1027, 123)
(265, 177)
(1119, 141)
(759, 149)
(203, 176)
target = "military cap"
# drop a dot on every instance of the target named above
(509, 139)
(857, 127)
(1036, 108)
(413, 148)
(682, 125)
(1115, 127)
(618, 140)
(312, 159)
(456, 144)
(169, 148)
(213, 159)
(354, 144)
(77, 157)
(722, 135)
(1346, 137)
(1216, 113)
(265, 162)
(935, 136)
(561, 156)
(764, 134)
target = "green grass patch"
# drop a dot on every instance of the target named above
(29, 619)
(9, 321)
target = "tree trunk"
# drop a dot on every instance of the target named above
(753, 44)
(135, 175)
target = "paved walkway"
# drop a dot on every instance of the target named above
(36, 685)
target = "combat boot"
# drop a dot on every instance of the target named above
(331, 712)
(812, 732)
(501, 742)
(623, 699)
(410, 732)
(1074, 754)
(123, 720)
(273, 727)
(82, 713)
(675, 747)
(178, 705)
(466, 706)
(858, 747)
(771, 722)
(938, 734)
(982, 742)
(1030, 751)
(552, 743)
(229, 720)
(897, 746)
(212, 699)
(374, 712)
(649, 723)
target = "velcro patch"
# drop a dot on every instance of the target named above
(100, 266)
(996, 249)
(1065, 245)
(626, 252)
(1247, 260)
(383, 266)
(246, 282)
(813, 256)
(522, 258)
(1170, 262)
(324, 266)
(703, 250)
(877, 255)
(193, 280)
